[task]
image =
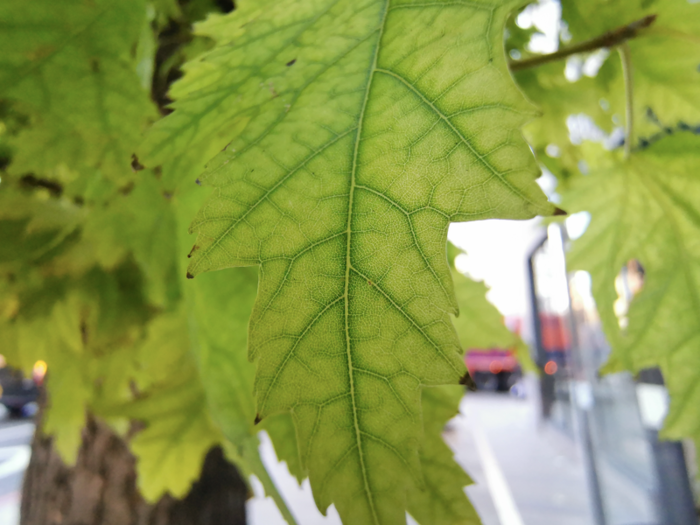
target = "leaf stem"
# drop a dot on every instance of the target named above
(613, 38)
(257, 467)
(626, 58)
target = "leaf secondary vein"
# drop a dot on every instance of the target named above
(267, 194)
(459, 134)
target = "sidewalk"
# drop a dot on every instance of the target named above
(9, 508)
(524, 473)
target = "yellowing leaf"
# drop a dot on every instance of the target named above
(171, 449)
(356, 132)
(65, 416)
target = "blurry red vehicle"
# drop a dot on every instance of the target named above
(494, 368)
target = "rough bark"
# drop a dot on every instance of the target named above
(101, 488)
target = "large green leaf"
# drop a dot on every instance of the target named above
(70, 67)
(647, 209)
(356, 132)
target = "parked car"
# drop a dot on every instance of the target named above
(17, 391)
(495, 369)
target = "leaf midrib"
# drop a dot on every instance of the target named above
(460, 135)
(348, 264)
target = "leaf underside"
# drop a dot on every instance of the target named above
(357, 132)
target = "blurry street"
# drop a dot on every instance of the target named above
(525, 472)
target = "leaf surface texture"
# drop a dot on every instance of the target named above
(353, 134)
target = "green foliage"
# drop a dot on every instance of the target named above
(71, 69)
(646, 209)
(643, 208)
(664, 77)
(664, 58)
(340, 139)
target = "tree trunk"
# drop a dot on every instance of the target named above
(101, 488)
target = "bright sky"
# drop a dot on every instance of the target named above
(497, 251)
(497, 254)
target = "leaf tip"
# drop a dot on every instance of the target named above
(258, 419)
(559, 211)
(467, 381)
(190, 276)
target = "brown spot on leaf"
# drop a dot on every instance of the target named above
(559, 211)
(30, 181)
(291, 62)
(135, 164)
(125, 190)
(84, 335)
(189, 275)
(258, 419)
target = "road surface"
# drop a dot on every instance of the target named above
(525, 472)
(15, 439)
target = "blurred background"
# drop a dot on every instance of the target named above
(547, 440)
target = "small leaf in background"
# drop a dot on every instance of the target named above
(646, 209)
(68, 67)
